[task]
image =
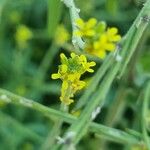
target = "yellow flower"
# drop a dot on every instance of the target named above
(98, 39)
(87, 65)
(70, 72)
(105, 43)
(61, 35)
(85, 29)
(112, 35)
(22, 35)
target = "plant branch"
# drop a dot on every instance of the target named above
(74, 14)
(110, 133)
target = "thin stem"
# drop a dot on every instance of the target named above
(55, 131)
(145, 109)
(109, 133)
(74, 14)
(53, 16)
(117, 107)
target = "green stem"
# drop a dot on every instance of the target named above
(117, 107)
(55, 131)
(136, 31)
(115, 111)
(109, 133)
(145, 110)
(54, 14)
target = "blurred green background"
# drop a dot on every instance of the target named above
(29, 54)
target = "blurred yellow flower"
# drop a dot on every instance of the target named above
(70, 72)
(61, 35)
(112, 35)
(22, 35)
(98, 39)
(15, 17)
(103, 45)
(85, 29)
(106, 43)
(76, 113)
(138, 147)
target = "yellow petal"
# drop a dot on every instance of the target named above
(83, 58)
(66, 101)
(78, 85)
(116, 38)
(91, 22)
(77, 33)
(73, 55)
(96, 45)
(90, 33)
(63, 58)
(64, 68)
(103, 38)
(91, 64)
(80, 23)
(102, 54)
(110, 46)
(81, 84)
(55, 76)
(90, 70)
(112, 31)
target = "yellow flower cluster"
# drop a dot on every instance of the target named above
(86, 29)
(99, 39)
(70, 72)
(22, 35)
(61, 35)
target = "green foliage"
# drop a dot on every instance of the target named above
(118, 88)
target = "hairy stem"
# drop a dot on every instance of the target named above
(74, 14)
